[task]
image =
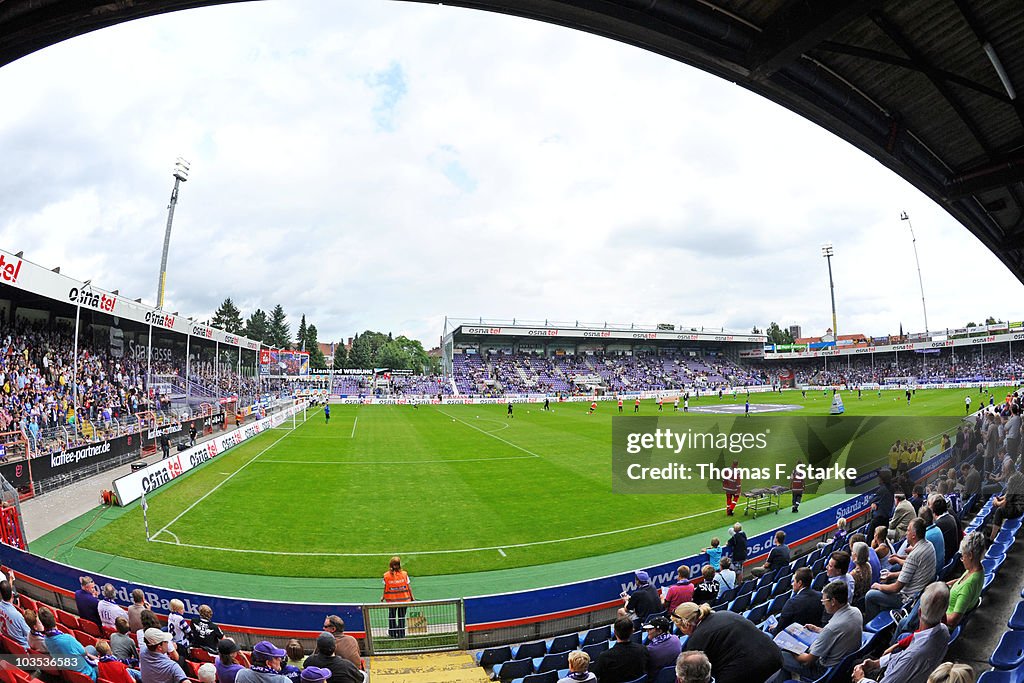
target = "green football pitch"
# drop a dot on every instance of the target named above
(451, 488)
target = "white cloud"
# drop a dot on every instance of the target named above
(380, 165)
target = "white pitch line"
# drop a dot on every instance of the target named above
(394, 462)
(354, 423)
(226, 479)
(490, 434)
(177, 541)
(392, 551)
(502, 552)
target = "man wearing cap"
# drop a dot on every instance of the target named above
(312, 674)
(662, 646)
(644, 602)
(154, 663)
(227, 667)
(345, 646)
(266, 665)
(342, 670)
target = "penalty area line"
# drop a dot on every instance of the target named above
(208, 493)
(490, 434)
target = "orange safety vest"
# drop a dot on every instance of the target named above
(396, 587)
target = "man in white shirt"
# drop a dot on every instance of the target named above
(108, 608)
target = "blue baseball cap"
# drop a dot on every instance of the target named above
(267, 649)
(642, 576)
(312, 673)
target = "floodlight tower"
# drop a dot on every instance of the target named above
(828, 252)
(920, 282)
(181, 168)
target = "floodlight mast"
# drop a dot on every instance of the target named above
(181, 168)
(920, 282)
(828, 252)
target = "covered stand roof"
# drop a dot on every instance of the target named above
(926, 87)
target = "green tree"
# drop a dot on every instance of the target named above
(258, 327)
(340, 356)
(316, 356)
(777, 335)
(755, 330)
(300, 338)
(279, 331)
(991, 320)
(417, 359)
(393, 355)
(228, 317)
(365, 348)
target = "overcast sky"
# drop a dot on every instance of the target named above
(379, 165)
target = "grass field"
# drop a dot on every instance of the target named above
(451, 488)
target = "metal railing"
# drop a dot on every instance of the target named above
(410, 627)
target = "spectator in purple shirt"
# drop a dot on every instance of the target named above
(87, 600)
(227, 668)
(662, 646)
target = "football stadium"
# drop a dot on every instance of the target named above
(191, 499)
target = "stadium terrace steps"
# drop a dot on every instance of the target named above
(441, 667)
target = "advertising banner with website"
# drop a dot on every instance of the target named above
(66, 461)
(130, 487)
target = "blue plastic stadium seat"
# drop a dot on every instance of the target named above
(546, 677)
(730, 595)
(494, 655)
(758, 613)
(530, 650)
(782, 585)
(601, 634)
(1009, 652)
(595, 649)
(762, 594)
(778, 602)
(747, 586)
(1006, 535)
(566, 643)
(881, 621)
(514, 668)
(996, 676)
(992, 564)
(740, 604)
(552, 662)
(819, 581)
(666, 675)
(1016, 621)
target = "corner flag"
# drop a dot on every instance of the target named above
(145, 517)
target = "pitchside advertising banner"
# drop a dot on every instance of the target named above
(130, 488)
(72, 459)
(482, 612)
